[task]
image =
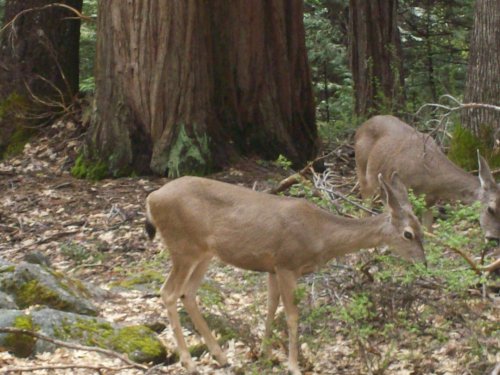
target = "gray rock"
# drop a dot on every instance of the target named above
(33, 284)
(138, 342)
(19, 345)
(6, 301)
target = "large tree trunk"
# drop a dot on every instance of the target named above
(375, 56)
(483, 75)
(38, 62)
(181, 86)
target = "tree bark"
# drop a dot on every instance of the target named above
(41, 46)
(183, 86)
(375, 56)
(39, 55)
(483, 75)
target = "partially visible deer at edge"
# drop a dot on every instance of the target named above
(199, 219)
(385, 144)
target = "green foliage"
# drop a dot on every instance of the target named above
(87, 169)
(417, 202)
(358, 313)
(88, 46)
(464, 145)
(283, 162)
(75, 251)
(331, 76)
(435, 42)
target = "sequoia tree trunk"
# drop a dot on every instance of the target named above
(182, 86)
(483, 75)
(375, 56)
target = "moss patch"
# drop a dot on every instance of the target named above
(34, 293)
(86, 169)
(18, 140)
(14, 133)
(7, 269)
(21, 345)
(189, 156)
(138, 342)
(144, 277)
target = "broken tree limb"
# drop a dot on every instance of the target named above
(296, 177)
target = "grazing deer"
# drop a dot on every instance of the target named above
(200, 218)
(385, 144)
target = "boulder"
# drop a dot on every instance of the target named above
(33, 284)
(139, 342)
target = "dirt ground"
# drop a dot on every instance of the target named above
(94, 231)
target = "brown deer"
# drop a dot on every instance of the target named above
(385, 144)
(200, 218)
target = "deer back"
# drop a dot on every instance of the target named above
(385, 144)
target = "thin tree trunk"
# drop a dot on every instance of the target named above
(183, 86)
(483, 75)
(375, 56)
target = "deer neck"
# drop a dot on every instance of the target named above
(462, 186)
(349, 235)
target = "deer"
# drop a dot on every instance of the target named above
(385, 144)
(200, 218)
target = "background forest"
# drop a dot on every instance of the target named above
(102, 103)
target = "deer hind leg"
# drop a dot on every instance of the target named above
(287, 282)
(189, 301)
(273, 299)
(170, 293)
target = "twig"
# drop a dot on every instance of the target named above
(321, 184)
(97, 369)
(48, 6)
(107, 352)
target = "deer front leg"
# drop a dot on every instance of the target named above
(170, 293)
(287, 282)
(273, 299)
(189, 301)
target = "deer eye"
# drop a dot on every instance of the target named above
(491, 211)
(408, 235)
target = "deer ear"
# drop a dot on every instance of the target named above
(485, 177)
(390, 197)
(400, 190)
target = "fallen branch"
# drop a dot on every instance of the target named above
(479, 270)
(296, 177)
(69, 345)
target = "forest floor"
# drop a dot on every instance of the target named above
(94, 231)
